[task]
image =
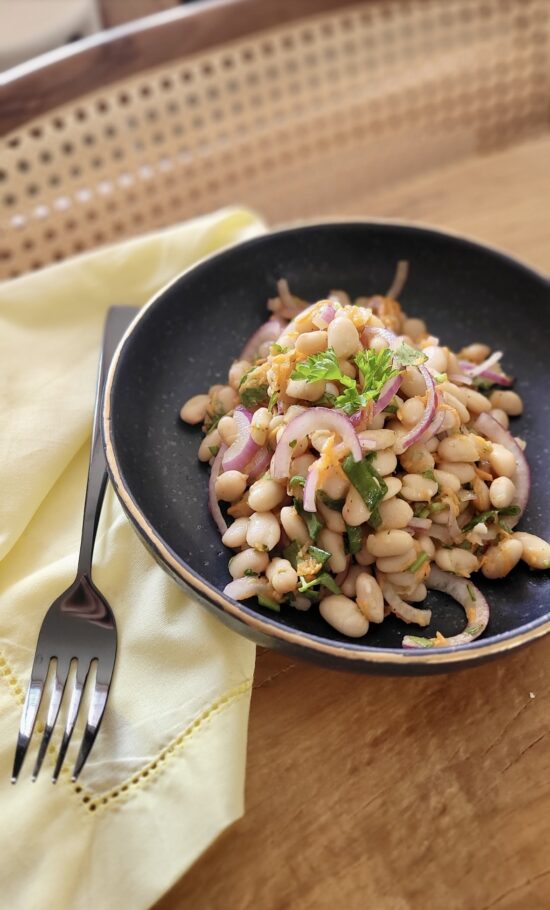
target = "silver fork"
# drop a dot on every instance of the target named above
(79, 626)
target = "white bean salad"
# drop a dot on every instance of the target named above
(361, 463)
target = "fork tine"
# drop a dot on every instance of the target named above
(39, 674)
(60, 681)
(74, 706)
(95, 716)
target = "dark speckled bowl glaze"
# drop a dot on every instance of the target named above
(185, 340)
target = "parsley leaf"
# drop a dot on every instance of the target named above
(297, 478)
(323, 365)
(335, 504)
(254, 396)
(323, 580)
(354, 539)
(250, 573)
(367, 481)
(407, 356)
(419, 561)
(491, 515)
(314, 524)
(319, 555)
(269, 603)
(291, 553)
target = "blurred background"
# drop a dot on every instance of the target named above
(32, 27)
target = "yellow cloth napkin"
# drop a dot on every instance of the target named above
(166, 774)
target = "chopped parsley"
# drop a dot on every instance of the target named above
(272, 401)
(291, 553)
(213, 450)
(407, 356)
(375, 367)
(250, 573)
(319, 555)
(335, 504)
(269, 603)
(313, 522)
(354, 537)
(367, 481)
(429, 474)
(492, 515)
(419, 561)
(421, 510)
(278, 348)
(297, 478)
(323, 580)
(471, 593)
(254, 396)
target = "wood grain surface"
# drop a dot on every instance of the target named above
(401, 794)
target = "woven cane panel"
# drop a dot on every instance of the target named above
(288, 121)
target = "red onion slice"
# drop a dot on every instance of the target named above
(389, 390)
(269, 332)
(306, 423)
(434, 427)
(484, 371)
(399, 279)
(367, 445)
(496, 378)
(213, 505)
(470, 597)
(477, 368)
(461, 378)
(417, 431)
(420, 524)
(403, 610)
(491, 428)
(243, 449)
(327, 313)
(310, 486)
(259, 464)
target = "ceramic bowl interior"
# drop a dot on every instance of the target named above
(187, 337)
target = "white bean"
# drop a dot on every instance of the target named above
(265, 494)
(396, 563)
(536, 551)
(507, 401)
(334, 544)
(464, 472)
(417, 459)
(500, 416)
(426, 544)
(389, 543)
(448, 482)
(501, 558)
(385, 462)
(211, 441)
(332, 518)
(502, 492)
(417, 488)
(264, 531)
(319, 438)
(335, 484)
(344, 615)
(437, 358)
(460, 562)
(301, 464)
(349, 585)
(282, 577)
(355, 511)
(260, 426)
(248, 561)
(413, 383)
(308, 391)
(377, 423)
(230, 486)
(235, 536)
(363, 557)
(396, 513)
(226, 399)
(311, 342)
(294, 526)
(418, 594)
(476, 402)
(459, 448)
(237, 371)
(394, 485)
(456, 402)
(476, 352)
(502, 461)
(227, 428)
(369, 597)
(194, 410)
(482, 499)
(415, 329)
(343, 337)
(382, 439)
(411, 411)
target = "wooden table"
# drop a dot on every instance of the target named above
(402, 794)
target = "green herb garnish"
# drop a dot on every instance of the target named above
(272, 401)
(323, 580)
(429, 475)
(291, 553)
(319, 555)
(367, 481)
(407, 356)
(421, 510)
(419, 561)
(293, 443)
(254, 396)
(278, 348)
(335, 504)
(491, 515)
(376, 369)
(471, 593)
(438, 507)
(269, 603)
(250, 573)
(297, 478)
(354, 539)
(313, 522)
(213, 450)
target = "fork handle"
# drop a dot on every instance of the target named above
(118, 320)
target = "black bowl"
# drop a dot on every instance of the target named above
(188, 335)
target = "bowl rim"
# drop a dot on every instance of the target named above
(397, 658)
